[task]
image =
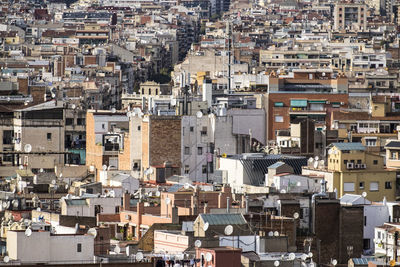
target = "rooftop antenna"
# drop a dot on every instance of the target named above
(197, 243)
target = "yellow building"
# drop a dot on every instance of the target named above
(353, 170)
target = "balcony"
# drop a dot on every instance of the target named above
(304, 111)
(111, 147)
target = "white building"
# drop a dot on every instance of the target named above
(43, 247)
(90, 206)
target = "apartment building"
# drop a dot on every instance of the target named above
(350, 16)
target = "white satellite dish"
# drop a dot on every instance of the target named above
(304, 257)
(208, 256)
(28, 232)
(15, 203)
(311, 160)
(270, 233)
(53, 182)
(276, 263)
(139, 256)
(66, 186)
(4, 204)
(8, 205)
(112, 193)
(158, 193)
(283, 191)
(205, 226)
(73, 106)
(93, 232)
(6, 259)
(21, 167)
(310, 255)
(199, 114)
(296, 215)
(104, 167)
(117, 249)
(41, 170)
(167, 201)
(197, 243)
(276, 233)
(334, 262)
(28, 148)
(364, 194)
(129, 114)
(228, 230)
(292, 256)
(38, 209)
(186, 186)
(61, 175)
(315, 164)
(113, 110)
(316, 158)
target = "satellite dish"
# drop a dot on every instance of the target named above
(205, 226)
(283, 191)
(199, 114)
(21, 167)
(330, 152)
(296, 215)
(4, 204)
(292, 256)
(61, 175)
(334, 262)
(66, 186)
(28, 148)
(41, 170)
(270, 233)
(304, 257)
(73, 106)
(167, 201)
(113, 110)
(228, 230)
(208, 256)
(276, 233)
(298, 183)
(316, 158)
(8, 205)
(276, 263)
(129, 114)
(311, 160)
(15, 203)
(315, 164)
(139, 256)
(112, 193)
(104, 167)
(93, 232)
(197, 243)
(310, 255)
(38, 209)
(117, 249)
(28, 232)
(6, 259)
(364, 194)
(158, 193)
(186, 186)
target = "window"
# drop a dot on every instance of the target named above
(138, 128)
(348, 187)
(375, 162)
(49, 136)
(204, 169)
(365, 220)
(81, 121)
(379, 235)
(361, 185)
(366, 243)
(388, 185)
(103, 126)
(204, 131)
(69, 121)
(345, 162)
(370, 142)
(374, 186)
(359, 161)
(187, 170)
(191, 128)
(199, 150)
(278, 118)
(79, 247)
(187, 150)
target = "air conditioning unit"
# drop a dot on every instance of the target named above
(328, 102)
(350, 165)
(364, 166)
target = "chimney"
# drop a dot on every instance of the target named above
(221, 201)
(126, 201)
(174, 215)
(139, 213)
(205, 208)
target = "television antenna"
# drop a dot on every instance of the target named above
(205, 226)
(228, 230)
(197, 243)
(139, 256)
(28, 148)
(28, 232)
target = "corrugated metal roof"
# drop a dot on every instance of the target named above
(394, 143)
(348, 146)
(174, 188)
(75, 202)
(276, 165)
(223, 219)
(362, 261)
